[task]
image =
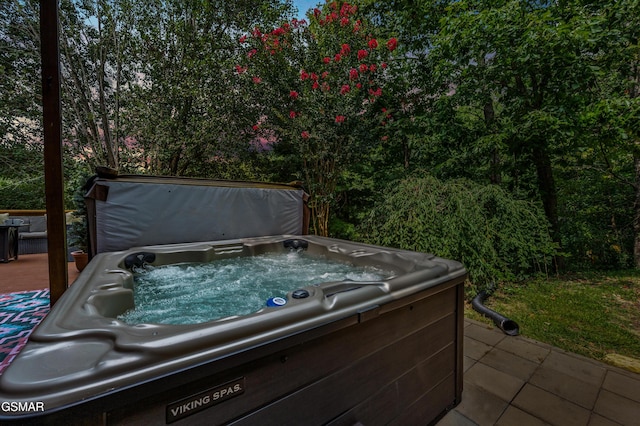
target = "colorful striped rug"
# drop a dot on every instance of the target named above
(19, 313)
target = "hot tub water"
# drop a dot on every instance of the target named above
(192, 293)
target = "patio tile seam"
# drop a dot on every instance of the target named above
(539, 364)
(563, 400)
(511, 404)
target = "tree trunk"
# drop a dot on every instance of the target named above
(548, 192)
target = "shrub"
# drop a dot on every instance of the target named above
(497, 237)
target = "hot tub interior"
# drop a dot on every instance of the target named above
(196, 292)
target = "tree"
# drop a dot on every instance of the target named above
(186, 111)
(21, 154)
(95, 67)
(319, 89)
(613, 149)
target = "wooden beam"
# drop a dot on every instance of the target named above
(53, 171)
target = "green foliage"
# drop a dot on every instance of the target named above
(592, 314)
(497, 237)
(187, 113)
(79, 231)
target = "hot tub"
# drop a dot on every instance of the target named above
(341, 352)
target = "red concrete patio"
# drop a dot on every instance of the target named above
(29, 272)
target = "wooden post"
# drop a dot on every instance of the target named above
(53, 174)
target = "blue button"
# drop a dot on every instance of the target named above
(276, 301)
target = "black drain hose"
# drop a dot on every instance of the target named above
(508, 326)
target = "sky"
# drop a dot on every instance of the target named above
(304, 5)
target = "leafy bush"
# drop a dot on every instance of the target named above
(22, 193)
(497, 237)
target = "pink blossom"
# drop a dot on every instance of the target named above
(240, 69)
(340, 118)
(314, 76)
(392, 44)
(251, 53)
(372, 67)
(373, 43)
(292, 114)
(305, 135)
(345, 89)
(293, 94)
(362, 54)
(256, 80)
(255, 127)
(377, 92)
(326, 59)
(303, 75)
(243, 39)
(344, 22)
(325, 75)
(345, 49)
(383, 65)
(359, 85)
(317, 12)
(337, 57)
(364, 68)
(345, 9)
(315, 85)
(353, 74)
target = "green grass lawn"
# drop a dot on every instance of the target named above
(591, 314)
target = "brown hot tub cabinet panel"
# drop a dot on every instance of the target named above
(388, 352)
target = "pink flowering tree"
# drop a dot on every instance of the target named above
(321, 87)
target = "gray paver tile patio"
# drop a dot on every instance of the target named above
(502, 385)
(518, 381)
(623, 384)
(598, 420)
(480, 406)
(475, 349)
(618, 408)
(510, 363)
(566, 386)
(551, 408)
(482, 333)
(454, 418)
(525, 348)
(515, 416)
(576, 366)
(468, 363)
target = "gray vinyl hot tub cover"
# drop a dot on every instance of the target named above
(131, 211)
